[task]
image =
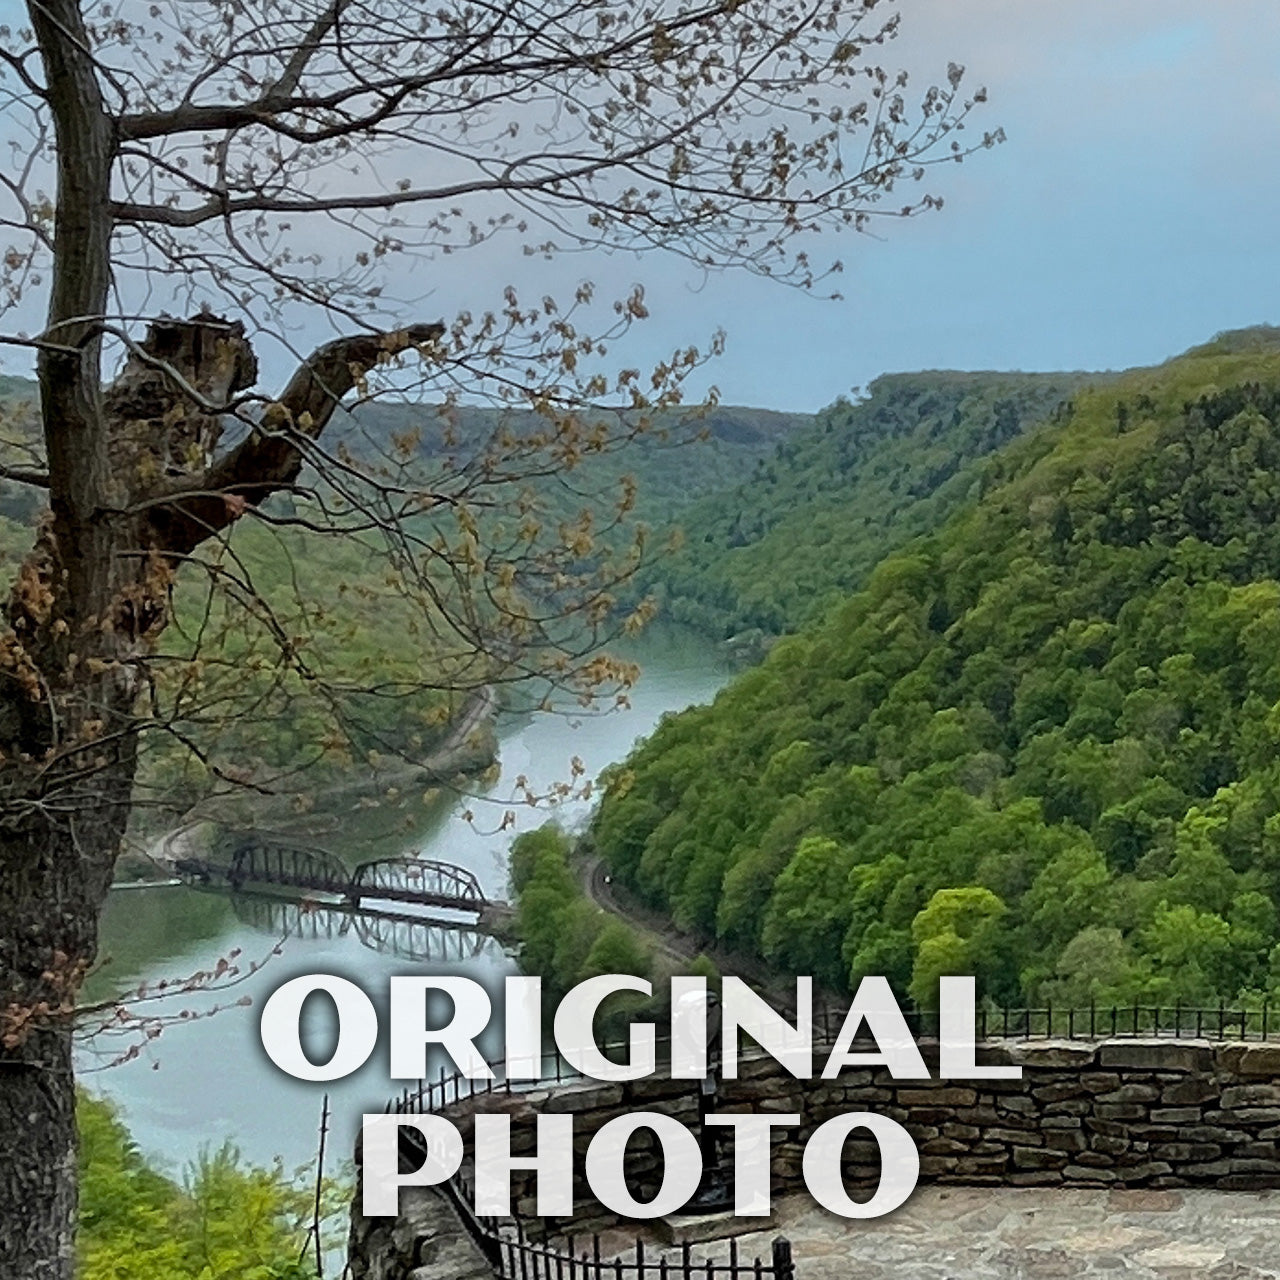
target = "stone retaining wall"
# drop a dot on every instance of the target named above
(426, 1242)
(1120, 1113)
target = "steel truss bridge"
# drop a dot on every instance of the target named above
(373, 888)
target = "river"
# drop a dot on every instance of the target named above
(205, 1079)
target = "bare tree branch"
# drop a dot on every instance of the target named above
(270, 458)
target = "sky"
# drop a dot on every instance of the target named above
(1130, 214)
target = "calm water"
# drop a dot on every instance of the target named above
(207, 1080)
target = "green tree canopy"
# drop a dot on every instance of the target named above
(1065, 699)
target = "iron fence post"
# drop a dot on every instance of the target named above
(783, 1266)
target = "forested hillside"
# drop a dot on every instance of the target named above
(371, 679)
(812, 520)
(684, 455)
(1040, 745)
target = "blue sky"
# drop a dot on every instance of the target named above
(1131, 213)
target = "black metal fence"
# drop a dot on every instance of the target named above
(1045, 1022)
(1106, 1022)
(514, 1256)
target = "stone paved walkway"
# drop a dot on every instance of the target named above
(968, 1233)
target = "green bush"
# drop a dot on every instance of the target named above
(225, 1221)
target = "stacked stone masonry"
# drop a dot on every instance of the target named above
(426, 1242)
(1120, 1113)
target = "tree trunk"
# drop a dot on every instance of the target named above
(38, 1160)
(66, 755)
(134, 485)
(53, 877)
(83, 616)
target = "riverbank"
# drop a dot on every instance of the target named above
(679, 947)
(468, 750)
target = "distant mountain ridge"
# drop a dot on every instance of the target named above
(812, 520)
(669, 474)
(734, 424)
(686, 454)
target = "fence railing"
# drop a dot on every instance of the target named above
(514, 1256)
(1108, 1022)
(994, 1024)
